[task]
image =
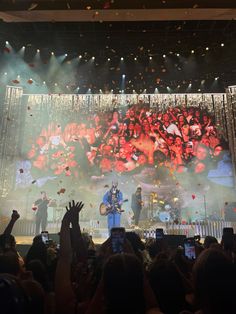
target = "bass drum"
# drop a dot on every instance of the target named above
(164, 216)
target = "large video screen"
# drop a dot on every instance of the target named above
(177, 155)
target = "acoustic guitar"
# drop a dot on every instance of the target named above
(105, 210)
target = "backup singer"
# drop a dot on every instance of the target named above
(113, 199)
(136, 204)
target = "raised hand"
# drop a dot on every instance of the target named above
(15, 215)
(73, 211)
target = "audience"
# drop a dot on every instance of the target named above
(146, 278)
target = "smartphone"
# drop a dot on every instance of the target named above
(159, 233)
(228, 230)
(117, 239)
(189, 248)
(45, 236)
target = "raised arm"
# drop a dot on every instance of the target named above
(65, 297)
(14, 217)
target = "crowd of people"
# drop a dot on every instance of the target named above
(183, 139)
(80, 277)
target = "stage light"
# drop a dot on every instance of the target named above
(111, 90)
(164, 56)
(44, 82)
(123, 75)
(66, 54)
(52, 53)
(67, 86)
(222, 44)
(108, 59)
(23, 47)
(122, 59)
(7, 42)
(177, 54)
(192, 51)
(5, 73)
(80, 56)
(150, 58)
(207, 48)
(38, 50)
(135, 59)
(93, 58)
(55, 84)
(216, 78)
(199, 90)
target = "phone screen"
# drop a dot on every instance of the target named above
(117, 239)
(189, 249)
(159, 234)
(45, 236)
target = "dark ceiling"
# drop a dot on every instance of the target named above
(6, 5)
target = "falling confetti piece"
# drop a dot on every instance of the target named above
(107, 5)
(21, 170)
(15, 81)
(34, 208)
(6, 49)
(30, 82)
(34, 181)
(33, 6)
(193, 196)
(62, 191)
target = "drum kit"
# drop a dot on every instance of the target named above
(160, 210)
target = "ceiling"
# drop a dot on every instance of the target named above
(113, 10)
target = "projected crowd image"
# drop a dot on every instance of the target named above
(182, 139)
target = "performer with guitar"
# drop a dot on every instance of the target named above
(112, 201)
(41, 208)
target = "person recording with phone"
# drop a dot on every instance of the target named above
(136, 205)
(113, 200)
(41, 208)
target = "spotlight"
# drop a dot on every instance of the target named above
(123, 75)
(55, 84)
(177, 54)
(93, 58)
(66, 54)
(222, 44)
(135, 59)
(23, 47)
(52, 53)
(121, 58)
(38, 50)
(164, 56)
(150, 58)
(7, 42)
(108, 59)
(111, 90)
(44, 82)
(80, 56)
(5, 73)
(216, 78)
(192, 51)
(207, 48)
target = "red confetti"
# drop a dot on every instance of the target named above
(193, 196)
(34, 208)
(7, 50)
(107, 5)
(30, 81)
(15, 81)
(62, 191)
